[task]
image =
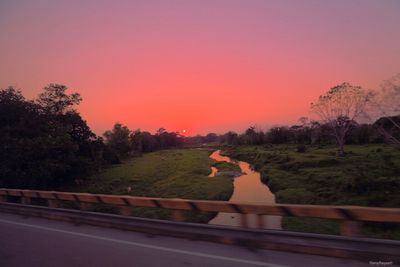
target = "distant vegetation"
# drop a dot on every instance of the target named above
(125, 142)
(306, 132)
(347, 115)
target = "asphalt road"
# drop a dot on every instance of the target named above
(40, 242)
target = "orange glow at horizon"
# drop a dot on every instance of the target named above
(197, 66)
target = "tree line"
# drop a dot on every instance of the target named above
(125, 142)
(346, 114)
(306, 132)
(45, 143)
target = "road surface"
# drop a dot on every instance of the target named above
(39, 242)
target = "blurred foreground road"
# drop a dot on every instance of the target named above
(40, 242)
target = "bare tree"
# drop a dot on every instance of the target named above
(339, 109)
(386, 103)
(390, 99)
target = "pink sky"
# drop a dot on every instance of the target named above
(197, 65)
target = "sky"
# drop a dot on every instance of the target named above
(203, 66)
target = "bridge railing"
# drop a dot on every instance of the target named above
(350, 216)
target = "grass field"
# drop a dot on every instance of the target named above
(368, 175)
(226, 167)
(181, 173)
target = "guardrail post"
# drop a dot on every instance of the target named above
(3, 198)
(125, 210)
(52, 203)
(177, 216)
(25, 200)
(260, 221)
(350, 228)
(243, 220)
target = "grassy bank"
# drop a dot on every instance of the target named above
(223, 166)
(180, 173)
(368, 175)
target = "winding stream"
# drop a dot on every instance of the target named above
(247, 188)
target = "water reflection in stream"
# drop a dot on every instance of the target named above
(214, 171)
(247, 188)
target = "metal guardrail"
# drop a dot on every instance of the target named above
(350, 216)
(362, 249)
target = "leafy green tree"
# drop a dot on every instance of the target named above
(118, 139)
(143, 141)
(230, 138)
(167, 139)
(149, 142)
(211, 137)
(44, 146)
(279, 135)
(55, 100)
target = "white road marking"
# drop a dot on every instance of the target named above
(198, 254)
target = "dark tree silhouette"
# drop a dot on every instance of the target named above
(118, 139)
(55, 100)
(45, 143)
